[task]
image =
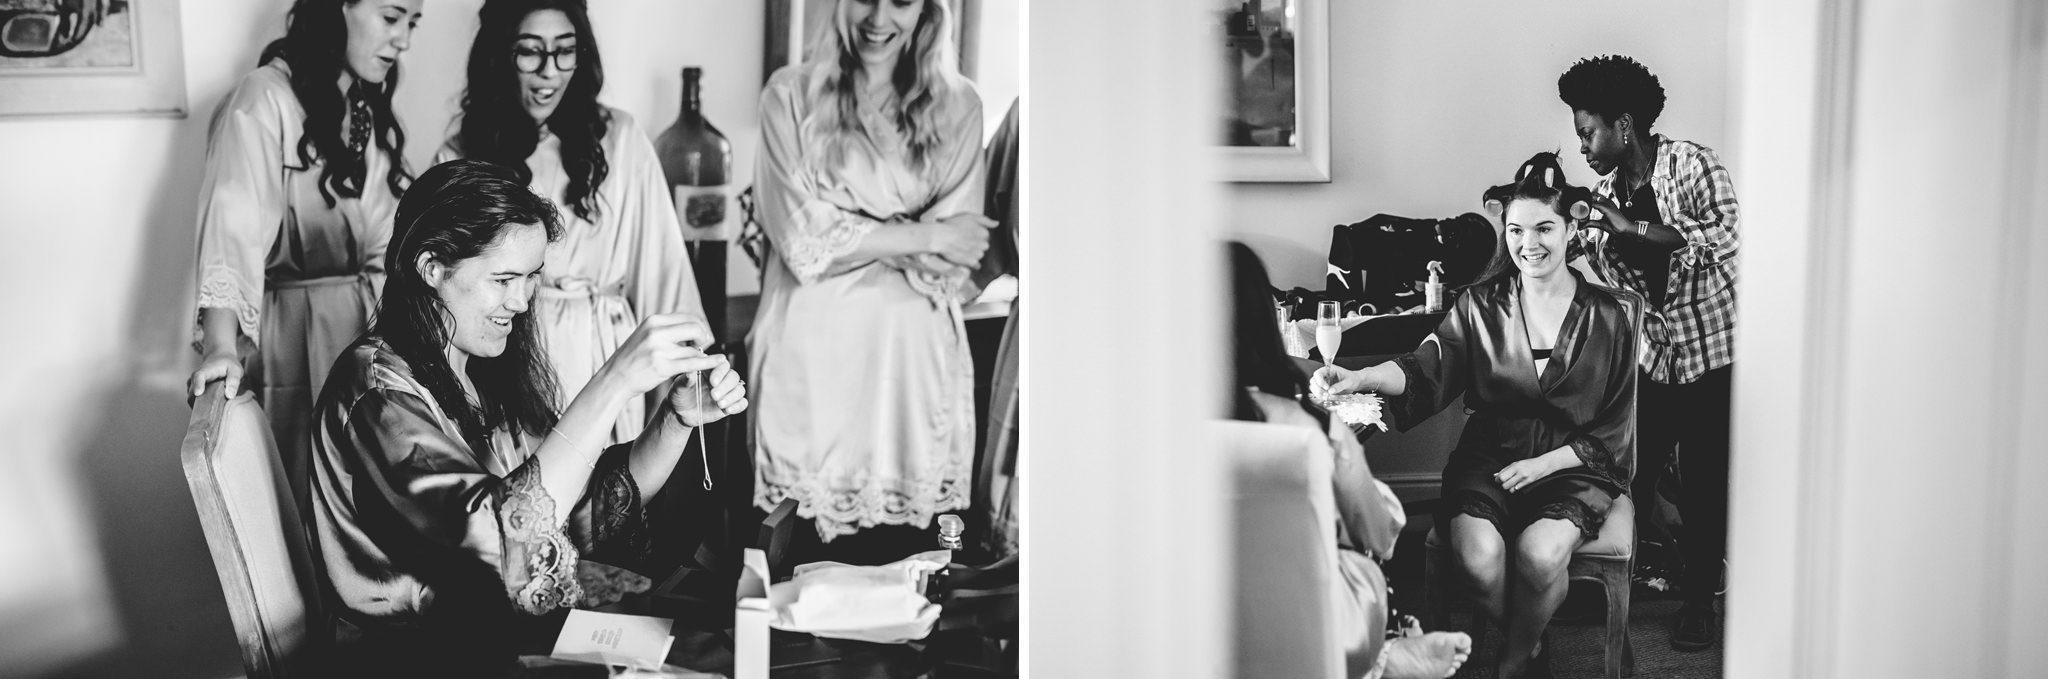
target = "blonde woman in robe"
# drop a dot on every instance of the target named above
(531, 106)
(870, 178)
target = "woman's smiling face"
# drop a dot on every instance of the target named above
(881, 29)
(484, 293)
(1536, 236)
(542, 35)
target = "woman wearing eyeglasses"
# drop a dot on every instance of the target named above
(531, 106)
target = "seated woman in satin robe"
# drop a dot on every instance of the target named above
(452, 502)
(1269, 388)
(1546, 363)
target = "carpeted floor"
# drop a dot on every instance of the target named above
(1578, 651)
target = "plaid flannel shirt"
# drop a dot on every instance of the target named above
(1694, 330)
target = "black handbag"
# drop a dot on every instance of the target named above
(1379, 265)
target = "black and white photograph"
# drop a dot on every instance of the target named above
(520, 338)
(984, 339)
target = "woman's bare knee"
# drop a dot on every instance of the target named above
(1544, 551)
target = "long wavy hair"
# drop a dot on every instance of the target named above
(456, 211)
(495, 126)
(927, 73)
(1259, 359)
(1540, 178)
(315, 46)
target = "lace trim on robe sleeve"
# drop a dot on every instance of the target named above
(810, 255)
(941, 289)
(544, 577)
(1598, 460)
(221, 288)
(619, 531)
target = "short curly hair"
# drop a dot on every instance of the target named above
(1611, 85)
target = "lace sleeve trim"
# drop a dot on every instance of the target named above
(545, 578)
(1597, 460)
(810, 254)
(618, 521)
(941, 289)
(222, 288)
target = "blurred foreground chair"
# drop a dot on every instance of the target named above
(1607, 559)
(1285, 559)
(256, 538)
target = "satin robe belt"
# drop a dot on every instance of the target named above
(324, 281)
(579, 288)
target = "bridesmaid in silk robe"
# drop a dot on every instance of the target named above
(452, 504)
(301, 177)
(1545, 362)
(621, 257)
(871, 193)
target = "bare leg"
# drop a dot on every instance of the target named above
(1482, 555)
(1542, 554)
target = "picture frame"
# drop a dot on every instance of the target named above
(793, 24)
(1277, 106)
(92, 57)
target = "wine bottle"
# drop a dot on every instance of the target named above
(697, 160)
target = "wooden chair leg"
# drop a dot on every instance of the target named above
(1621, 660)
(1436, 602)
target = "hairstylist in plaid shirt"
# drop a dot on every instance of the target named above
(1671, 216)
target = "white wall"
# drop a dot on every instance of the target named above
(1127, 536)
(104, 572)
(1432, 101)
(1887, 432)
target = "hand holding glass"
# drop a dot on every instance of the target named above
(1329, 330)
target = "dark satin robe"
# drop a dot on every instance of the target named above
(430, 547)
(1585, 397)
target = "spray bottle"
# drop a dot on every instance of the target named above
(1433, 292)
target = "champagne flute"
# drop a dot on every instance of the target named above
(1329, 330)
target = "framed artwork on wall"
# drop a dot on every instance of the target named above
(70, 57)
(1276, 122)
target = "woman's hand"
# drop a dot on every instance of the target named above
(931, 264)
(662, 347)
(1611, 220)
(1331, 380)
(961, 238)
(728, 392)
(224, 367)
(1522, 474)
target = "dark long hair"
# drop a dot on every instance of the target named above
(455, 211)
(1259, 360)
(495, 125)
(315, 46)
(1539, 178)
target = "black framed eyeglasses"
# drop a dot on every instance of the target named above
(528, 57)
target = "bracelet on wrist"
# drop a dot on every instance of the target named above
(592, 462)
